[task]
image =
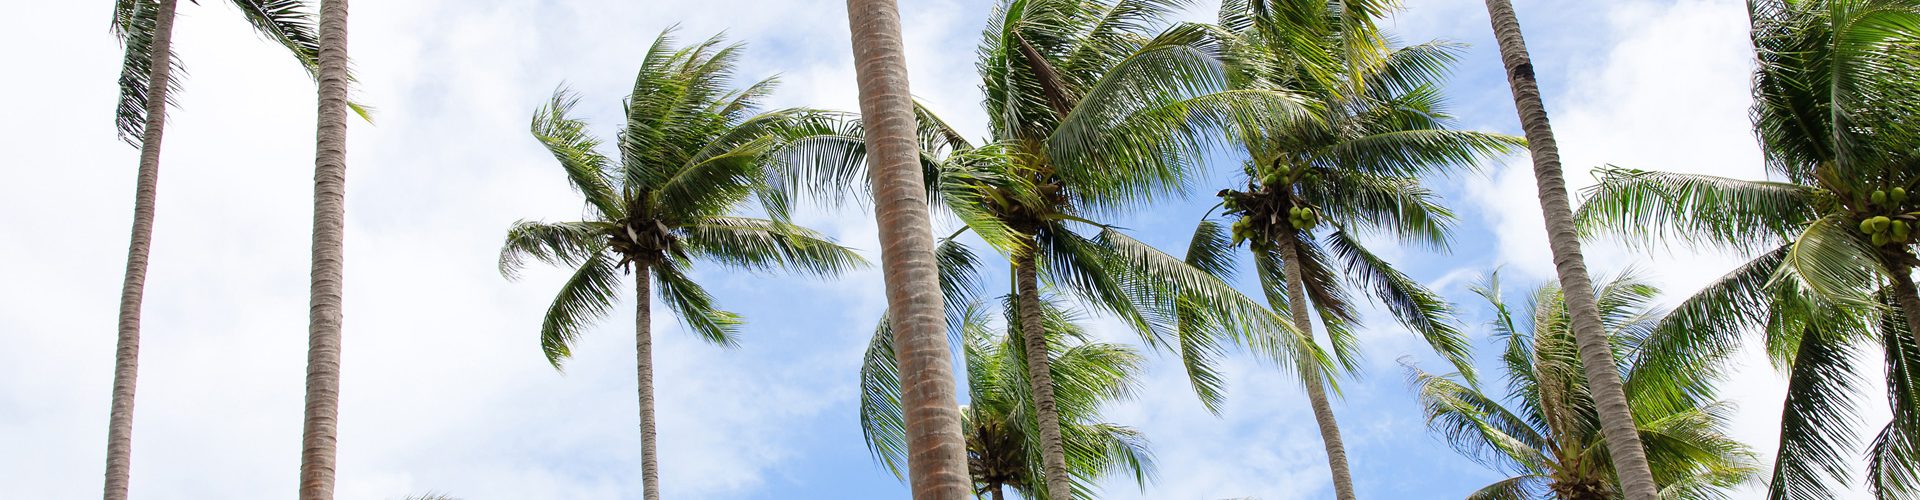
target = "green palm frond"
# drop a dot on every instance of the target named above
(1819, 411)
(1418, 308)
(555, 243)
(576, 150)
(588, 295)
(1829, 260)
(1698, 209)
(1522, 487)
(695, 308)
(759, 244)
(134, 23)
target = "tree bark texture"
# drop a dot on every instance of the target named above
(1596, 353)
(936, 449)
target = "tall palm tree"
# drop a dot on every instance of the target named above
(906, 252)
(1092, 112)
(1545, 431)
(1835, 91)
(1003, 448)
(691, 151)
(1616, 415)
(1378, 126)
(319, 435)
(145, 28)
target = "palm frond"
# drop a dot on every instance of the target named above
(1418, 308)
(589, 295)
(691, 303)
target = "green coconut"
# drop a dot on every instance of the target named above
(1879, 197)
(1899, 195)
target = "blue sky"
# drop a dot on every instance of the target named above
(445, 389)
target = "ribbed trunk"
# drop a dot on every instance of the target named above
(643, 359)
(998, 492)
(1616, 418)
(1316, 388)
(126, 354)
(1053, 451)
(1909, 297)
(936, 449)
(329, 225)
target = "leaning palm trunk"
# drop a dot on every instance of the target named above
(643, 357)
(126, 357)
(936, 450)
(1316, 388)
(1053, 450)
(1616, 418)
(329, 223)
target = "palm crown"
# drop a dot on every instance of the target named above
(1835, 91)
(1547, 431)
(1003, 445)
(1355, 165)
(690, 152)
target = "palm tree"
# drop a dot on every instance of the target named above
(145, 28)
(691, 151)
(1003, 447)
(1545, 431)
(1091, 114)
(1835, 92)
(1616, 415)
(1378, 127)
(906, 250)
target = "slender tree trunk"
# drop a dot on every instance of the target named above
(936, 449)
(1316, 388)
(126, 357)
(1053, 450)
(1908, 296)
(998, 494)
(643, 358)
(329, 225)
(1596, 353)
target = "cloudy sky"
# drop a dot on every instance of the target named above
(444, 387)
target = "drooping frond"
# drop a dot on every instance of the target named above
(761, 245)
(555, 243)
(587, 296)
(567, 139)
(1418, 308)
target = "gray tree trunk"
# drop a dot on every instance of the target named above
(1316, 388)
(643, 358)
(1053, 450)
(126, 356)
(1596, 353)
(321, 432)
(936, 449)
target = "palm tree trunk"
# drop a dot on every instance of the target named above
(643, 358)
(1596, 353)
(321, 432)
(998, 493)
(936, 449)
(1053, 451)
(1909, 297)
(1316, 388)
(126, 357)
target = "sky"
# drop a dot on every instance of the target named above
(444, 387)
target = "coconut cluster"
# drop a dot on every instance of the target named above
(1259, 209)
(1894, 228)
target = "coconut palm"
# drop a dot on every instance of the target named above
(1545, 432)
(1092, 112)
(1378, 127)
(1003, 447)
(1835, 91)
(145, 28)
(691, 151)
(1616, 415)
(906, 248)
